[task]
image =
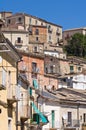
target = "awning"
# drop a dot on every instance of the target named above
(35, 84)
(42, 117)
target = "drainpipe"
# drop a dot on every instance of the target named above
(17, 101)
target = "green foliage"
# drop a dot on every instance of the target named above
(76, 45)
(31, 120)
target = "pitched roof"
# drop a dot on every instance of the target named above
(65, 95)
(43, 20)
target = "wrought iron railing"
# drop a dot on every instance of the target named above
(24, 109)
(12, 92)
(72, 123)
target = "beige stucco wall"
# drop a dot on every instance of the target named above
(12, 36)
(71, 32)
(8, 65)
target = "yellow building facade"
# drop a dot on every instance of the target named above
(9, 58)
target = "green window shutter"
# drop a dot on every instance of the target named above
(30, 91)
(35, 84)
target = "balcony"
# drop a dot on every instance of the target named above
(23, 78)
(50, 30)
(71, 124)
(72, 71)
(25, 112)
(35, 70)
(12, 95)
(58, 33)
(19, 43)
(24, 108)
(30, 30)
(23, 68)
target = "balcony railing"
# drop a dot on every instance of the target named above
(24, 78)
(71, 71)
(19, 43)
(58, 33)
(35, 70)
(24, 109)
(12, 93)
(50, 30)
(72, 123)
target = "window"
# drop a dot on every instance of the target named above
(19, 39)
(71, 68)
(30, 20)
(42, 24)
(37, 31)
(46, 70)
(0, 110)
(57, 40)
(36, 22)
(84, 117)
(45, 87)
(9, 124)
(49, 29)
(49, 26)
(37, 39)
(9, 21)
(34, 66)
(51, 69)
(67, 36)
(69, 118)
(64, 79)
(53, 87)
(51, 59)
(30, 30)
(35, 49)
(81, 118)
(19, 19)
(79, 68)
(49, 38)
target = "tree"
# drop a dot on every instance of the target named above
(76, 45)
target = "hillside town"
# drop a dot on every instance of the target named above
(41, 87)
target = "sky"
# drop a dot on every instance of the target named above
(66, 13)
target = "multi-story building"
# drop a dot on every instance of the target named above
(19, 38)
(37, 70)
(37, 38)
(31, 68)
(65, 109)
(40, 35)
(70, 32)
(9, 58)
(54, 32)
(73, 73)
